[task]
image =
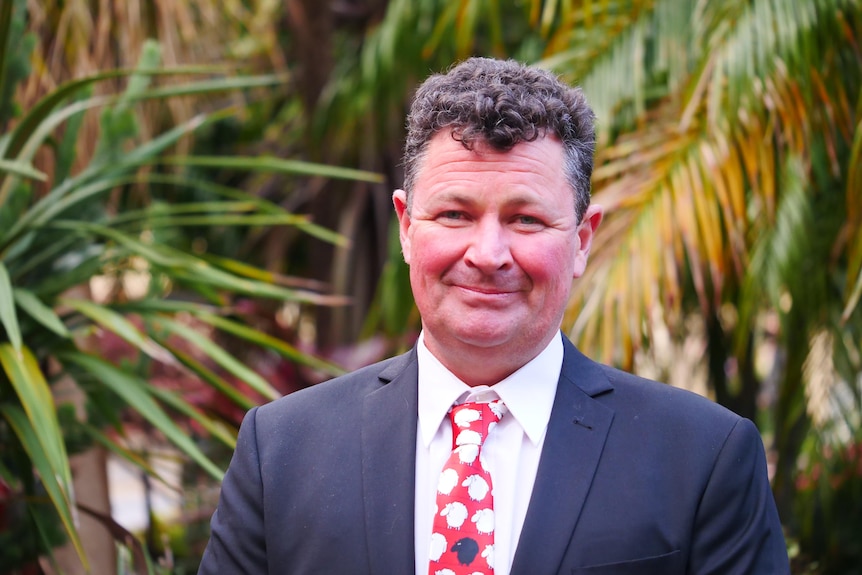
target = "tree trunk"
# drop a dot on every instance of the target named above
(90, 482)
(90, 478)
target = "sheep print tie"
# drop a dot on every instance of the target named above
(462, 540)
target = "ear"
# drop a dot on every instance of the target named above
(586, 230)
(399, 199)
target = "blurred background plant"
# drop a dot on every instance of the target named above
(730, 261)
(112, 305)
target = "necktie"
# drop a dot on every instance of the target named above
(462, 539)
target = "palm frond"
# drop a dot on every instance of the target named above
(713, 153)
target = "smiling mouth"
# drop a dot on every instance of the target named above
(489, 291)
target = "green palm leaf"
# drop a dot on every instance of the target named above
(8, 315)
(137, 392)
(35, 396)
(219, 355)
(43, 314)
(26, 431)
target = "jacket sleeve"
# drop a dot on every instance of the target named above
(737, 530)
(237, 543)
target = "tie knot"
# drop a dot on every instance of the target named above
(472, 422)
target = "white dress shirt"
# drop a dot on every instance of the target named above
(510, 454)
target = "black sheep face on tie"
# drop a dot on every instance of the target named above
(467, 549)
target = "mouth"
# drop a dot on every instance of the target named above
(500, 288)
(487, 291)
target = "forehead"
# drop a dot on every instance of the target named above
(447, 165)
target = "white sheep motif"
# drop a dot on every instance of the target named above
(455, 514)
(465, 417)
(498, 408)
(448, 480)
(438, 546)
(467, 454)
(468, 437)
(484, 520)
(488, 554)
(477, 487)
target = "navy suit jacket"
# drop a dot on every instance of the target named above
(635, 477)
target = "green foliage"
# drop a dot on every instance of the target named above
(31, 527)
(828, 506)
(63, 230)
(14, 63)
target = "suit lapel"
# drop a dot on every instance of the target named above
(389, 467)
(573, 446)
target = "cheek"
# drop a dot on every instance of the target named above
(430, 257)
(547, 259)
(550, 266)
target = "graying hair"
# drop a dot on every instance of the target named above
(502, 103)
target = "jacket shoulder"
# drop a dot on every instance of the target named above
(664, 400)
(636, 401)
(339, 392)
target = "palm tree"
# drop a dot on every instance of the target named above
(729, 173)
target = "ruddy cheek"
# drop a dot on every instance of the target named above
(547, 269)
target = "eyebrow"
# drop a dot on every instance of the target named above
(467, 199)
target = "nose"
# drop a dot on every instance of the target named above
(488, 250)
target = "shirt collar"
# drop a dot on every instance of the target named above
(528, 393)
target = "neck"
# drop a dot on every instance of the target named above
(482, 366)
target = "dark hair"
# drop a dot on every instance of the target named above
(502, 103)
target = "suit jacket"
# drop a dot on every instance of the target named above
(635, 477)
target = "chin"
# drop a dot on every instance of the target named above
(483, 338)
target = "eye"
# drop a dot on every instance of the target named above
(451, 215)
(528, 223)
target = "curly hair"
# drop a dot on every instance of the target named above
(502, 103)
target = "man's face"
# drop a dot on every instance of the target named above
(493, 244)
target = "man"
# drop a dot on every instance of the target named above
(581, 468)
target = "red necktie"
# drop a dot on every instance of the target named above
(462, 540)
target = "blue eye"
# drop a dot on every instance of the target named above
(528, 220)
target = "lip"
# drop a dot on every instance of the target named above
(485, 291)
(482, 291)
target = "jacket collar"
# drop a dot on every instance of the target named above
(573, 446)
(388, 440)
